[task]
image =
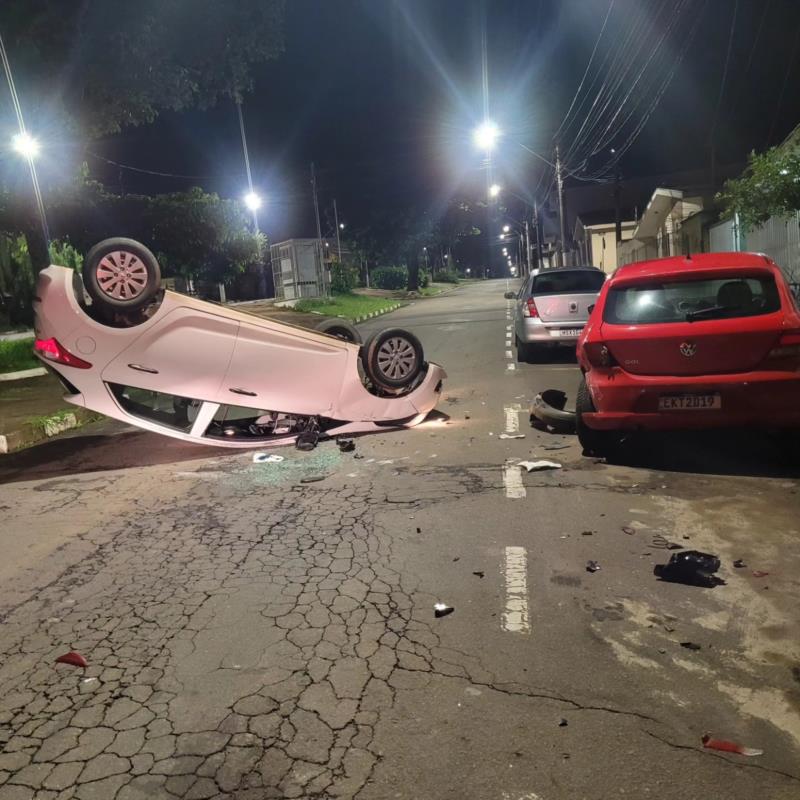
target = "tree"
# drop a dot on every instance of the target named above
(102, 65)
(769, 187)
(454, 225)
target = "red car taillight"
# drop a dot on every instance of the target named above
(529, 309)
(599, 355)
(51, 350)
(788, 346)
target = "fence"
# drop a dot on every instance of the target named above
(777, 238)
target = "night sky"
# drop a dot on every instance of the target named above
(383, 96)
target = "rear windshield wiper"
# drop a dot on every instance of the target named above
(702, 312)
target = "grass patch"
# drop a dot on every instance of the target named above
(17, 355)
(431, 291)
(349, 306)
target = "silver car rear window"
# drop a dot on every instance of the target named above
(568, 282)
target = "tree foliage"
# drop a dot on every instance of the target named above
(102, 65)
(770, 186)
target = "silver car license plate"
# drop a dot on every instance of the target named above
(568, 332)
(689, 402)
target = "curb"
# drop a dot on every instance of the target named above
(20, 375)
(388, 310)
(45, 428)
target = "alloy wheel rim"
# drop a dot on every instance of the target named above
(396, 358)
(121, 275)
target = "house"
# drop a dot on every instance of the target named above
(672, 224)
(595, 239)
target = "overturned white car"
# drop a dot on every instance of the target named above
(206, 373)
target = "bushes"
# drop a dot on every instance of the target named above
(389, 278)
(344, 278)
(447, 276)
(65, 255)
(424, 279)
(17, 282)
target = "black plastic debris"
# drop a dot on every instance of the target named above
(313, 479)
(587, 533)
(563, 723)
(346, 445)
(549, 410)
(479, 572)
(691, 646)
(306, 441)
(627, 529)
(592, 566)
(739, 563)
(442, 610)
(692, 568)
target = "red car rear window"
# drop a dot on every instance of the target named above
(692, 300)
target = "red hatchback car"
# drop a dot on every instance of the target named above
(696, 341)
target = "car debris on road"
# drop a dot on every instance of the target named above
(73, 659)
(442, 610)
(538, 466)
(730, 747)
(691, 567)
(592, 566)
(267, 458)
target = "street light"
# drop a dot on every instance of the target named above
(506, 228)
(494, 190)
(252, 201)
(486, 135)
(341, 226)
(25, 145)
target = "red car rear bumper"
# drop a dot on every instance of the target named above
(766, 399)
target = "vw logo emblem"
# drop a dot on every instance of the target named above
(688, 349)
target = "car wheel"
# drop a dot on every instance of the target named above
(523, 350)
(594, 443)
(339, 328)
(392, 359)
(121, 274)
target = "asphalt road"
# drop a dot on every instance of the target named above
(252, 635)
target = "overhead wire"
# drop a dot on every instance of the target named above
(724, 79)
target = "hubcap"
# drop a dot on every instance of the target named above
(121, 275)
(396, 358)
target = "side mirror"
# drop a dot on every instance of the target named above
(591, 308)
(509, 295)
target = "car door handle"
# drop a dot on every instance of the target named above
(243, 391)
(140, 368)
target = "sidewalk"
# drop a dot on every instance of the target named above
(33, 409)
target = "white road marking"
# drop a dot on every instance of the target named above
(515, 570)
(512, 482)
(508, 327)
(512, 417)
(509, 354)
(511, 366)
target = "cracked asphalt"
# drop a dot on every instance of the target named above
(252, 635)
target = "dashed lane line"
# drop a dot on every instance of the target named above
(512, 481)
(515, 571)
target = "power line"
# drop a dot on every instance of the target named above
(130, 168)
(724, 73)
(783, 87)
(588, 67)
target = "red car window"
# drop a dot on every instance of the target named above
(692, 300)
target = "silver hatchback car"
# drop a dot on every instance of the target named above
(552, 306)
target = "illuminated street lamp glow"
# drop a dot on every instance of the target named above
(486, 135)
(252, 201)
(506, 228)
(494, 190)
(341, 226)
(501, 237)
(25, 145)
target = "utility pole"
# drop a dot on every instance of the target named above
(527, 244)
(336, 222)
(319, 229)
(560, 188)
(617, 211)
(538, 239)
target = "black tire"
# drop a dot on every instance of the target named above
(523, 350)
(121, 274)
(392, 359)
(339, 328)
(595, 443)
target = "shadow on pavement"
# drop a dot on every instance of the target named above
(738, 452)
(96, 453)
(553, 355)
